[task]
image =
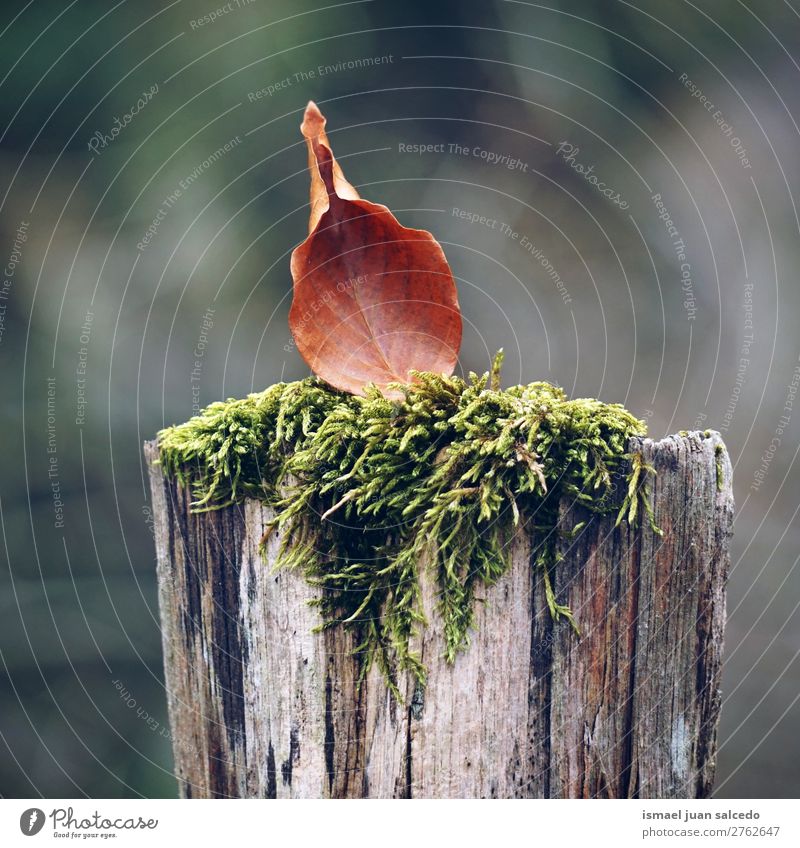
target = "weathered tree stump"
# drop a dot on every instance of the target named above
(262, 707)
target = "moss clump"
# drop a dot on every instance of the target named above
(363, 487)
(719, 451)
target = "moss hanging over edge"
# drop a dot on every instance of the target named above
(364, 488)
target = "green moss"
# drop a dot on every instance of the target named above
(719, 450)
(366, 488)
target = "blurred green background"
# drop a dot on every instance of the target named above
(119, 118)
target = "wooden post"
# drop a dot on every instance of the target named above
(262, 707)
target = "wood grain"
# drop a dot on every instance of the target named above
(262, 707)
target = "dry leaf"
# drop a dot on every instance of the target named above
(372, 299)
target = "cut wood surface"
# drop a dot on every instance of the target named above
(260, 706)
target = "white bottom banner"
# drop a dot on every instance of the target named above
(330, 824)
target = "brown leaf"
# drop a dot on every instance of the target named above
(372, 299)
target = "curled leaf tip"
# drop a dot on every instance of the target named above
(373, 301)
(313, 120)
